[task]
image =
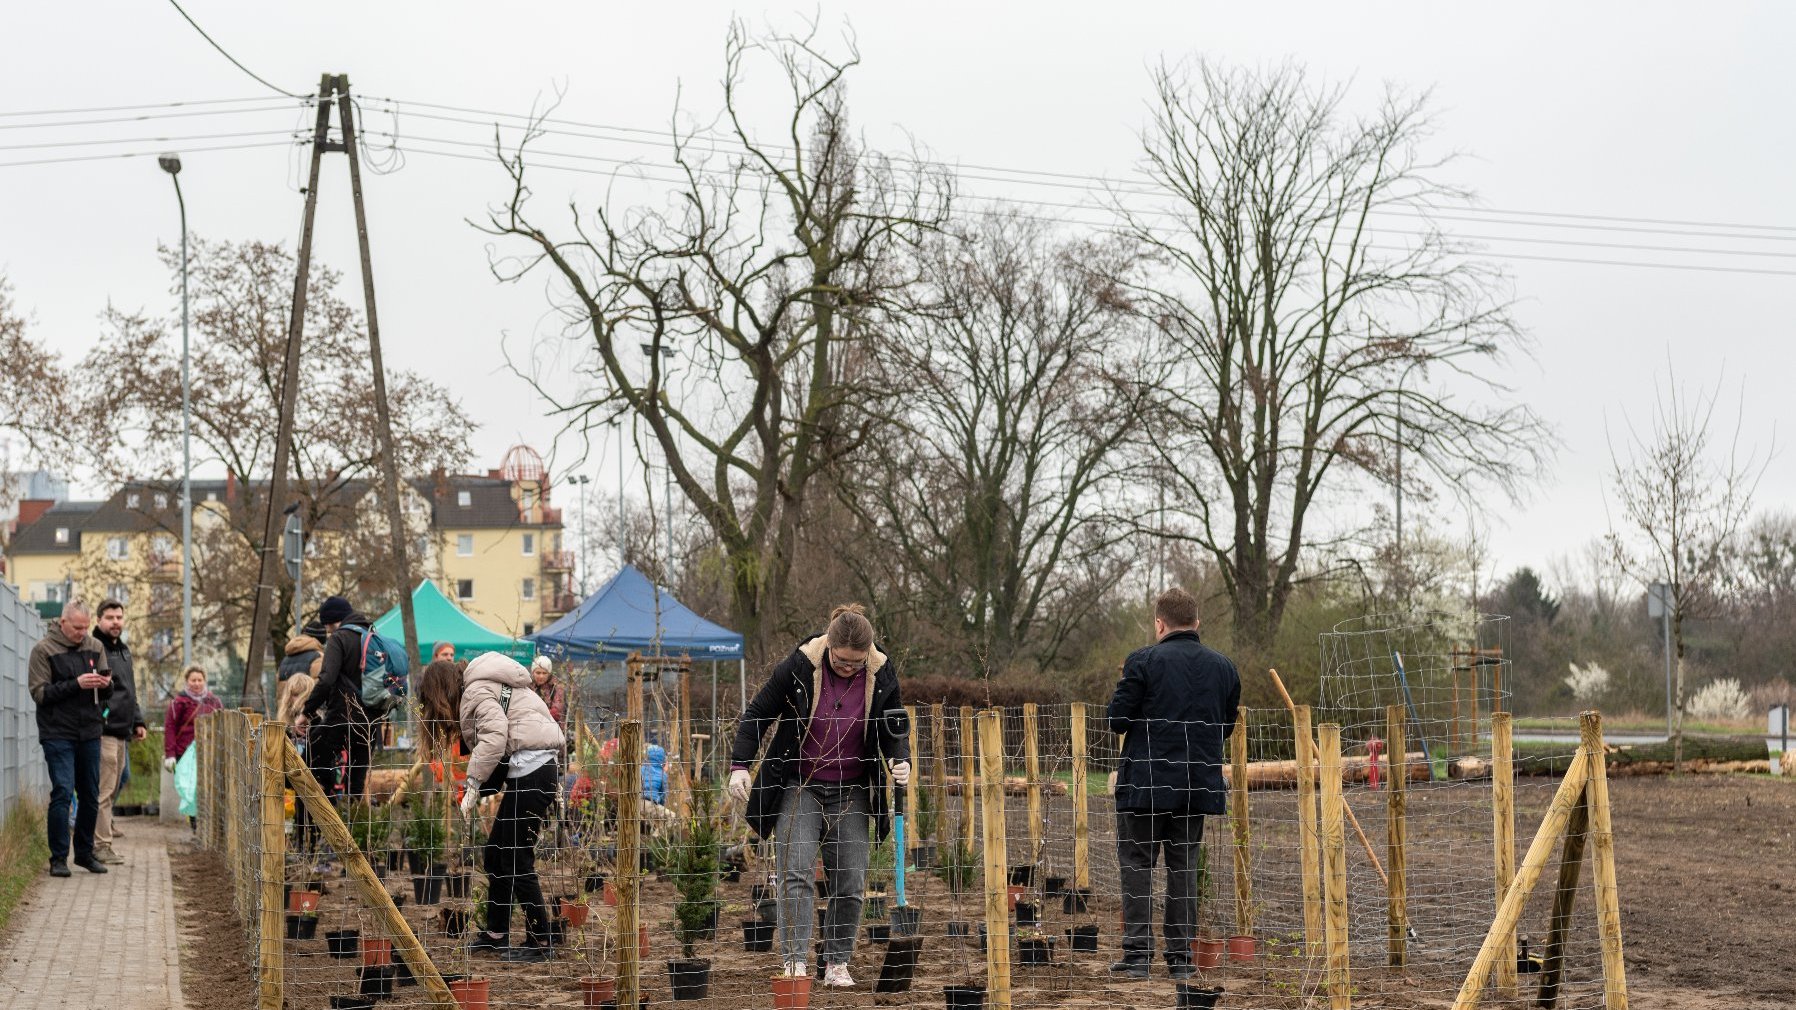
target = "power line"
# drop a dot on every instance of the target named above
(150, 154)
(134, 108)
(152, 117)
(259, 79)
(236, 135)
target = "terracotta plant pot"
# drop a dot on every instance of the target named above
(377, 953)
(1208, 953)
(1012, 894)
(575, 911)
(302, 901)
(1241, 949)
(791, 993)
(642, 942)
(610, 894)
(598, 990)
(469, 993)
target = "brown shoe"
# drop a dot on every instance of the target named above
(105, 854)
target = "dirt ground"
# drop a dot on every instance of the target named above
(1706, 870)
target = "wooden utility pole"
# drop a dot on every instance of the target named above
(263, 613)
(396, 530)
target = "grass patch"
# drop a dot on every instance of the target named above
(24, 852)
(146, 772)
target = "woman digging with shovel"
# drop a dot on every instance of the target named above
(821, 785)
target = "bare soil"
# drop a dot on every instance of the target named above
(1706, 868)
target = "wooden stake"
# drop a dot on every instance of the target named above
(916, 769)
(629, 866)
(1334, 860)
(1602, 841)
(1571, 862)
(1453, 747)
(368, 886)
(1032, 771)
(270, 931)
(1309, 840)
(968, 775)
(1352, 818)
(1081, 803)
(997, 908)
(1509, 912)
(1238, 817)
(1396, 835)
(681, 765)
(938, 760)
(633, 688)
(1502, 806)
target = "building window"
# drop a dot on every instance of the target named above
(133, 500)
(120, 592)
(529, 499)
(464, 499)
(162, 644)
(464, 589)
(162, 598)
(529, 589)
(162, 548)
(529, 544)
(529, 629)
(62, 534)
(161, 501)
(464, 545)
(117, 548)
(211, 495)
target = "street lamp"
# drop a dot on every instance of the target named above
(171, 163)
(1401, 381)
(580, 482)
(1661, 598)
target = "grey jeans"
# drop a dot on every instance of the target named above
(1139, 838)
(836, 820)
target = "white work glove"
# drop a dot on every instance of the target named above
(168, 764)
(901, 772)
(739, 785)
(470, 799)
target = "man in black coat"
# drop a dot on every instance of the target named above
(124, 723)
(333, 715)
(1174, 708)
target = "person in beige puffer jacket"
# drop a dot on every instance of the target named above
(512, 744)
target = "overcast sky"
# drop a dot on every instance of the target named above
(1638, 111)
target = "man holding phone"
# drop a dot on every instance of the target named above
(72, 685)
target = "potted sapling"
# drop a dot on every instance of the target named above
(600, 987)
(692, 862)
(424, 836)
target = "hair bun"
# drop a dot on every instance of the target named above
(848, 608)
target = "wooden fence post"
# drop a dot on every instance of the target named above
(1602, 842)
(271, 974)
(938, 766)
(1032, 769)
(1334, 858)
(968, 776)
(1238, 815)
(1081, 803)
(1309, 841)
(629, 868)
(997, 907)
(1397, 833)
(633, 687)
(1502, 806)
(205, 790)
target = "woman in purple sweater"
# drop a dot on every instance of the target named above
(821, 783)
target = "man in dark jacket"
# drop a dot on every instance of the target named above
(124, 723)
(1174, 708)
(70, 683)
(333, 715)
(304, 653)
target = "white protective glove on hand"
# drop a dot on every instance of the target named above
(901, 772)
(168, 764)
(470, 798)
(739, 784)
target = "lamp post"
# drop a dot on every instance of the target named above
(1401, 381)
(171, 163)
(580, 482)
(1661, 597)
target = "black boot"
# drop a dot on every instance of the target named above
(59, 867)
(90, 864)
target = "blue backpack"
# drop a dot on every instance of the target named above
(386, 672)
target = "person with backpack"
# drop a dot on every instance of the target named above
(304, 653)
(333, 718)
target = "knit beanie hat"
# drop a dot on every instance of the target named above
(334, 610)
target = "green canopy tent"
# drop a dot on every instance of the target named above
(440, 620)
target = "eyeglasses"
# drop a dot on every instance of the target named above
(846, 666)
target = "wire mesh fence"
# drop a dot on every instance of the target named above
(22, 770)
(1361, 858)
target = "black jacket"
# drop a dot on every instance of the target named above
(338, 693)
(1174, 707)
(65, 709)
(123, 716)
(784, 703)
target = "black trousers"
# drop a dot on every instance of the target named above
(329, 744)
(510, 855)
(1179, 839)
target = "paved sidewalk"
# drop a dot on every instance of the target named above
(105, 941)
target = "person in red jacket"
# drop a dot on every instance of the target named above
(179, 722)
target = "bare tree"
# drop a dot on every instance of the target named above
(773, 257)
(1291, 315)
(36, 397)
(1684, 494)
(1012, 392)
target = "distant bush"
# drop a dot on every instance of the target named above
(1721, 700)
(1588, 683)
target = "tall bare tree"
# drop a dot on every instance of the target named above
(1291, 312)
(1012, 393)
(778, 251)
(1684, 491)
(36, 397)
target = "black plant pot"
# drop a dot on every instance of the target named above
(128, 810)
(757, 936)
(767, 910)
(301, 927)
(1083, 939)
(1028, 913)
(438, 870)
(1054, 887)
(402, 972)
(1197, 997)
(1022, 875)
(380, 870)
(900, 965)
(874, 908)
(417, 862)
(758, 893)
(398, 899)
(352, 1003)
(1035, 953)
(456, 885)
(923, 857)
(377, 981)
(455, 921)
(690, 979)
(427, 890)
(906, 919)
(958, 928)
(396, 859)
(1076, 902)
(343, 943)
(964, 997)
(595, 883)
(878, 932)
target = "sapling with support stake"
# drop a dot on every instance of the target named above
(900, 964)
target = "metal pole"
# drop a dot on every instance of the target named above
(620, 493)
(186, 452)
(1665, 619)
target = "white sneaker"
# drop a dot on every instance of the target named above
(794, 969)
(836, 977)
